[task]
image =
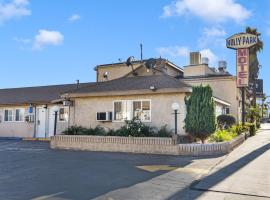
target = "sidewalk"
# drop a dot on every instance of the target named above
(244, 174)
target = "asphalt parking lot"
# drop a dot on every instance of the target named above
(31, 170)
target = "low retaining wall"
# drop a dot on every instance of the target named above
(151, 145)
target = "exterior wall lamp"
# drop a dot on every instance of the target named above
(175, 107)
(55, 109)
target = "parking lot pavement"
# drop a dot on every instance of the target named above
(31, 170)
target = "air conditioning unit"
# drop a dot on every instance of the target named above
(30, 118)
(104, 116)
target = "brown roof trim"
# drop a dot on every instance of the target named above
(132, 92)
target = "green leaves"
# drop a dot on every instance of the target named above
(200, 117)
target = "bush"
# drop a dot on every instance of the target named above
(225, 121)
(252, 128)
(222, 136)
(164, 132)
(74, 130)
(239, 129)
(200, 118)
(133, 128)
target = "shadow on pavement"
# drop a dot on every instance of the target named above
(63, 174)
(197, 189)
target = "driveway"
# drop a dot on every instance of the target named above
(30, 170)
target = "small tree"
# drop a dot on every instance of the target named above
(200, 117)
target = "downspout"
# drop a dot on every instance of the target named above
(35, 122)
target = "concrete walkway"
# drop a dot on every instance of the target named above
(244, 174)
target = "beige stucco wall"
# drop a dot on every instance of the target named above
(15, 129)
(114, 71)
(197, 70)
(118, 71)
(161, 112)
(24, 129)
(223, 88)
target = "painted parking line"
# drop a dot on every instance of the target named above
(155, 168)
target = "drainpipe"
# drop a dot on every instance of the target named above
(35, 122)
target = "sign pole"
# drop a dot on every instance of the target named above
(243, 105)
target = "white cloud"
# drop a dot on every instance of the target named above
(14, 9)
(209, 10)
(212, 36)
(174, 51)
(209, 54)
(22, 40)
(74, 17)
(46, 37)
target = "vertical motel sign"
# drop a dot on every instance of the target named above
(242, 56)
(241, 43)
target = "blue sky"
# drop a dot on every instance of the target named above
(55, 42)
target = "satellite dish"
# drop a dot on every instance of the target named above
(105, 75)
(129, 61)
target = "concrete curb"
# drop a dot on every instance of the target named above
(11, 138)
(36, 139)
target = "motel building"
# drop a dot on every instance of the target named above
(121, 91)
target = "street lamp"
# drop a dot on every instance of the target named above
(55, 109)
(175, 108)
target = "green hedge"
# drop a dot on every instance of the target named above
(133, 128)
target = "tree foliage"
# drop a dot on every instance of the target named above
(254, 62)
(200, 117)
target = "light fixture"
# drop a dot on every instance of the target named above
(175, 106)
(153, 88)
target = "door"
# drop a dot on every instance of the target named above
(51, 122)
(41, 123)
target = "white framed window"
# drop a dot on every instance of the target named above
(9, 115)
(14, 115)
(128, 109)
(19, 115)
(63, 114)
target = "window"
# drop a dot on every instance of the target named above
(126, 110)
(19, 115)
(118, 111)
(8, 115)
(16, 115)
(141, 110)
(63, 114)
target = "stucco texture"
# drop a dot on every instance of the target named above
(84, 110)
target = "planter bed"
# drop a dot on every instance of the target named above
(152, 145)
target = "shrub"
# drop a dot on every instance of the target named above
(74, 130)
(252, 128)
(135, 128)
(164, 132)
(222, 136)
(239, 129)
(200, 117)
(225, 121)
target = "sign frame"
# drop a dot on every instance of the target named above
(241, 36)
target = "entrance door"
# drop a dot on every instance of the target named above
(51, 122)
(41, 123)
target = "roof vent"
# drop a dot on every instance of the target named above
(205, 60)
(222, 66)
(195, 58)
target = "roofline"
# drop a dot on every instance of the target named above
(194, 78)
(129, 92)
(221, 101)
(139, 61)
